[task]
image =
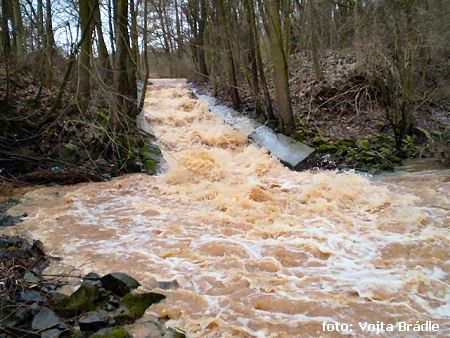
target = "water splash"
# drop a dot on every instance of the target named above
(256, 249)
(284, 148)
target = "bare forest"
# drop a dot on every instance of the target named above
(365, 81)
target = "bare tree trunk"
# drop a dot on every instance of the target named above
(145, 56)
(49, 46)
(40, 23)
(19, 32)
(49, 24)
(279, 66)
(246, 45)
(212, 43)
(84, 65)
(101, 45)
(231, 70)
(133, 54)
(12, 23)
(5, 31)
(125, 89)
(134, 34)
(268, 109)
(200, 41)
(178, 27)
(357, 37)
(111, 21)
(6, 45)
(314, 41)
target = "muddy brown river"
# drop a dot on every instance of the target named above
(254, 249)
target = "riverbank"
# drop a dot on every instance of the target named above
(37, 304)
(339, 117)
(46, 142)
(250, 247)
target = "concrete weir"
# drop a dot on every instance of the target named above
(286, 149)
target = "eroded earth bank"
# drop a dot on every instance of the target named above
(254, 249)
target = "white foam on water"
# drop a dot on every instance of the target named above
(256, 249)
(282, 147)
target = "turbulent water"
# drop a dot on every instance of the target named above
(254, 249)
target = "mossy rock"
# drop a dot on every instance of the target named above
(317, 141)
(364, 144)
(348, 142)
(113, 332)
(383, 139)
(327, 149)
(300, 135)
(342, 150)
(85, 299)
(394, 159)
(301, 123)
(386, 151)
(384, 167)
(150, 165)
(119, 283)
(136, 304)
(151, 156)
(150, 150)
(309, 133)
(369, 156)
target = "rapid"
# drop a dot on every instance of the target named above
(252, 248)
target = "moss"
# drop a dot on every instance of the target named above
(115, 332)
(300, 135)
(150, 165)
(136, 304)
(348, 142)
(83, 300)
(151, 156)
(385, 139)
(317, 141)
(364, 144)
(327, 148)
(342, 150)
(374, 155)
(302, 123)
(395, 159)
(369, 157)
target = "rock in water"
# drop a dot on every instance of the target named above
(172, 333)
(119, 283)
(37, 249)
(92, 278)
(136, 304)
(172, 285)
(93, 321)
(45, 319)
